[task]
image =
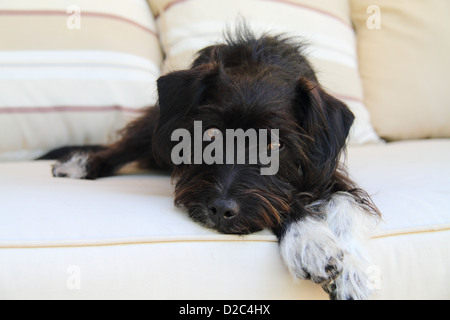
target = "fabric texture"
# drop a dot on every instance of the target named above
(403, 52)
(73, 72)
(189, 25)
(126, 239)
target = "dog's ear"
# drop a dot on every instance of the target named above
(180, 91)
(325, 123)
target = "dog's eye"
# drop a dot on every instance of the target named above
(213, 133)
(275, 146)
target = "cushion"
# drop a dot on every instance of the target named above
(410, 183)
(403, 51)
(73, 74)
(187, 26)
(121, 237)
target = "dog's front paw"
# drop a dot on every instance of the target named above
(75, 167)
(352, 284)
(310, 251)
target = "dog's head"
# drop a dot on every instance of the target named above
(250, 84)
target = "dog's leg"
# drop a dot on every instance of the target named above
(351, 224)
(135, 145)
(310, 250)
(329, 248)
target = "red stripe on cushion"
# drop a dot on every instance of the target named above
(323, 12)
(83, 13)
(9, 110)
(287, 2)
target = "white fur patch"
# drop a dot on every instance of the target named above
(331, 251)
(352, 226)
(75, 167)
(310, 251)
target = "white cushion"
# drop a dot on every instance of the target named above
(410, 183)
(73, 72)
(121, 237)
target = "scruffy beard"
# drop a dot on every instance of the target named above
(262, 201)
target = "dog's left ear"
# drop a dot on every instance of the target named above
(180, 91)
(325, 123)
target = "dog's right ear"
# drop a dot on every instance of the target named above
(180, 91)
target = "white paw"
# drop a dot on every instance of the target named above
(352, 284)
(310, 251)
(351, 223)
(74, 167)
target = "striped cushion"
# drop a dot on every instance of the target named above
(188, 25)
(73, 72)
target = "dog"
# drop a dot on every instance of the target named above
(317, 212)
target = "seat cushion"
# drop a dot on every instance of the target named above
(410, 183)
(121, 237)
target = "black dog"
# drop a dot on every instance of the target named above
(312, 206)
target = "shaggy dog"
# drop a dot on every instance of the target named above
(267, 85)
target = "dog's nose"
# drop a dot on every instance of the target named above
(223, 208)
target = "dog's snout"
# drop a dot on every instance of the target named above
(223, 208)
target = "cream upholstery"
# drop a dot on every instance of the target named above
(404, 66)
(73, 72)
(121, 237)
